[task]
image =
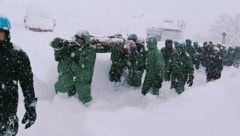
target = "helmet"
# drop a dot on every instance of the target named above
(179, 47)
(195, 44)
(4, 23)
(132, 37)
(84, 35)
(176, 43)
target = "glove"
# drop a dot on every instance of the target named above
(30, 115)
(190, 80)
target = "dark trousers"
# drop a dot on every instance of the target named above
(8, 125)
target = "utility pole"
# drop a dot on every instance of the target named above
(181, 25)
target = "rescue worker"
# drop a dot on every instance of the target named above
(15, 67)
(135, 61)
(182, 70)
(155, 68)
(167, 51)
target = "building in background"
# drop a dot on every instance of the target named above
(168, 30)
(38, 19)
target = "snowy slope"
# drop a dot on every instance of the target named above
(206, 109)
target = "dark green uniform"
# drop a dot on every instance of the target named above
(118, 58)
(182, 69)
(83, 68)
(167, 52)
(155, 68)
(136, 61)
(76, 66)
(236, 61)
(62, 52)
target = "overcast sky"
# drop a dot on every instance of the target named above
(197, 14)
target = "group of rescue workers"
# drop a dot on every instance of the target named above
(175, 62)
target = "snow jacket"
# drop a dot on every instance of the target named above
(136, 62)
(236, 61)
(214, 66)
(62, 54)
(141, 57)
(182, 70)
(230, 56)
(181, 66)
(119, 59)
(167, 52)
(15, 67)
(155, 68)
(83, 68)
(190, 50)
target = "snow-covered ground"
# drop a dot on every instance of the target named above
(205, 109)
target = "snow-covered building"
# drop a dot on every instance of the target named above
(167, 30)
(38, 19)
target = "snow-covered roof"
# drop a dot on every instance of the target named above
(169, 25)
(158, 21)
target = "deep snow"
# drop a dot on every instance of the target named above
(205, 109)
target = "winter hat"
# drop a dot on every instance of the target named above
(132, 37)
(4, 23)
(176, 44)
(5, 26)
(195, 44)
